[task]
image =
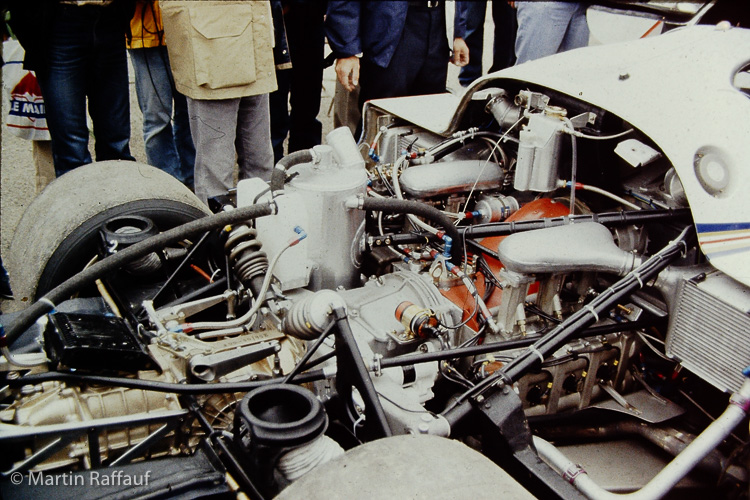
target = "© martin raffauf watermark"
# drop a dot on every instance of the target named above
(88, 478)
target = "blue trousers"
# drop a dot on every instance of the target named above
(86, 60)
(169, 145)
(420, 64)
(546, 28)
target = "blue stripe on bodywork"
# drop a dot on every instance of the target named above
(713, 228)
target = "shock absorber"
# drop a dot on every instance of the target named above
(249, 262)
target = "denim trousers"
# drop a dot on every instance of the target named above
(166, 126)
(546, 28)
(86, 60)
(228, 132)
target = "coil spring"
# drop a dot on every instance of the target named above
(245, 253)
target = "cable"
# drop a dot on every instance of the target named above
(656, 351)
(573, 167)
(181, 265)
(587, 187)
(20, 364)
(497, 145)
(104, 292)
(28, 316)
(576, 322)
(259, 300)
(596, 137)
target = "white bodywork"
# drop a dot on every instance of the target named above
(677, 88)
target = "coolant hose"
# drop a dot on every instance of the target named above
(28, 316)
(389, 205)
(278, 176)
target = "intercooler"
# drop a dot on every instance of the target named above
(709, 332)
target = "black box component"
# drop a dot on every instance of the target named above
(177, 478)
(94, 342)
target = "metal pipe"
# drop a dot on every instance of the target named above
(669, 439)
(349, 359)
(670, 475)
(461, 352)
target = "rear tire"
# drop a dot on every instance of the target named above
(407, 466)
(59, 232)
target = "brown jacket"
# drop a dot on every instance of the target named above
(220, 49)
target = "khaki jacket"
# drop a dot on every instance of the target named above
(220, 49)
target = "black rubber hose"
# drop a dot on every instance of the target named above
(505, 228)
(157, 386)
(388, 205)
(28, 316)
(278, 176)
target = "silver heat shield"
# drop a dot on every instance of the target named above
(450, 177)
(587, 246)
(709, 331)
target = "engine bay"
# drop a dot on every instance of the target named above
(533, 277)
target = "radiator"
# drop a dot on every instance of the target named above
(709, 331)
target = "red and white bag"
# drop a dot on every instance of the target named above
(26, 117)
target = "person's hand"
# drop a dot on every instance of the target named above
(347, 71)
(460, 52)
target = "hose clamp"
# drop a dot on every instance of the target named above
(572, 473)
(740, 401)
(376, 366)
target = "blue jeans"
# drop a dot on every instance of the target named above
(86, 59)
(169, 145)
(546, 28)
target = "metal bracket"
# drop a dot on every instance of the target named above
(509, 444)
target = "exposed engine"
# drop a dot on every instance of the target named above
(531, 277)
